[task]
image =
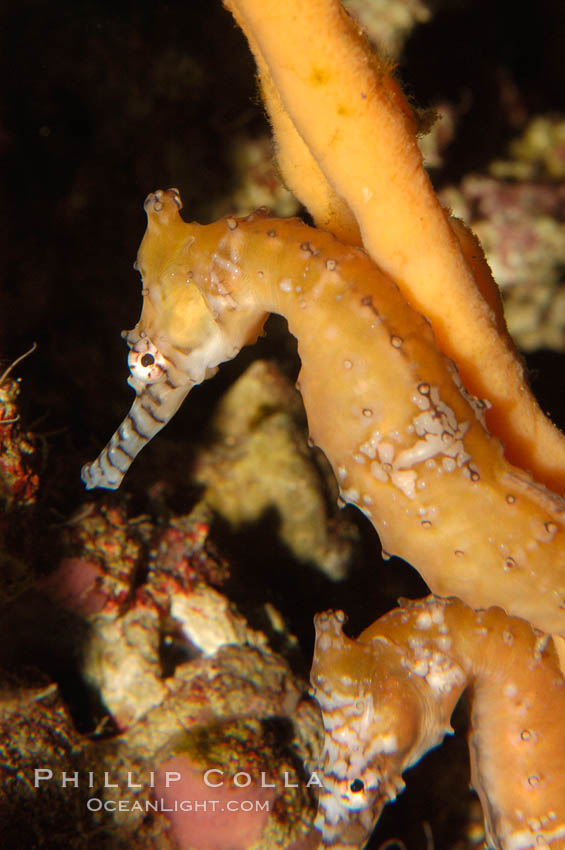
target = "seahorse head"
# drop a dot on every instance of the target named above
(367, 731)
(182, 321)
(189, 324)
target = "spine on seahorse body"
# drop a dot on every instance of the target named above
(387, 697)
(407, 443)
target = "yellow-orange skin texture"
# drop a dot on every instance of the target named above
(387, 698)
(347, 147)
(404, 438)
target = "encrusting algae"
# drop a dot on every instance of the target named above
(184, 685)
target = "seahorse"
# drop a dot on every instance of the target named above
(387, 699)
(407, 442)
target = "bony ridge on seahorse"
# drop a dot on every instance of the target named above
(387, 698)
(406, 441)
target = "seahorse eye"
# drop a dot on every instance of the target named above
(357, 786)
(146, 363)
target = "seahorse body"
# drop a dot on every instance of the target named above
(387, 697)
(406, 441)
